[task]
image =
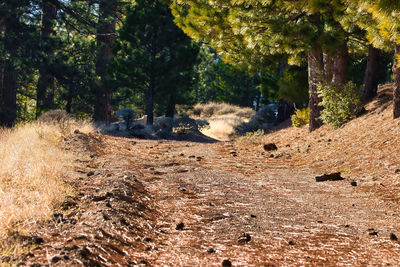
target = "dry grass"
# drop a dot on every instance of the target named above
(33, 172)
(213, 109)
(224, 118)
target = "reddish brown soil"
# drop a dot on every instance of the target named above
(236, 203)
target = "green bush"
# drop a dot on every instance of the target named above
(340, 104)
(301, 117)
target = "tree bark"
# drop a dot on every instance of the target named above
(285, 110)
(328, 67)
(171, 105)
(371, 79)
(105, 40)
(340, 65)
(315, 78)
(46, 86)
(396, 91)
(9, 109)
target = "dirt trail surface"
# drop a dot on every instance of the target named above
(179, 203)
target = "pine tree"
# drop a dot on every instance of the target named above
(155, 56)
(251, 32)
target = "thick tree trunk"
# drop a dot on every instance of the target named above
(396, 91)
(8, 113)
(340, 65)
(371, 78)
(315, 78)
(46, 86)
(105, 41)
(328, 67)
(285, 110)
(8, 109)
(171, 105)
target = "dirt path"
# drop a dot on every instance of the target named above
(170, 203)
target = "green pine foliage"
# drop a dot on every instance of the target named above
(341, 104)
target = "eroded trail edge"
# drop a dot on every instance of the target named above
(171, 203)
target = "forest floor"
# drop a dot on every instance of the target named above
(188, 203)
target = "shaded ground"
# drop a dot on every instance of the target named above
(235, 203)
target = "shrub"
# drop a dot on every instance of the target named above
(264, 119)
(127, 115)
(185, 124)
(340, 104)
(301, 117)
(164, 122)
(54, 116)
(251, 137)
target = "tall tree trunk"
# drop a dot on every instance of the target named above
(371, 77)
(150, 102)
(46, 86)
(328, 67)
(340, 65)
(315, 78)
(285, 110)
(152, 85)
(9, 110)
(105, 40)
(396, 92)
(171, 105)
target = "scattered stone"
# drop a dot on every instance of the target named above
(180, 226)
(253, 216)
(192, 157)
(233, 153)
(347, 226)
(244, 238)
(270, 147)
(199, 158)
(91, 173)
(147, 239)
(211, 250)
(373, 233)
(291, 243)
(397, 171)
(143, 262)
(77, 131)
(181, 154)
(226, 263)
(353, 183)
(329, 177)
(55, 259)
(393, 237)
(272, 155)
(37, 240)
(319, 221)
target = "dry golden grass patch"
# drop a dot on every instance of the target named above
(224, 118)
(33, 173)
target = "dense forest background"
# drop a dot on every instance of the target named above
(94, 57)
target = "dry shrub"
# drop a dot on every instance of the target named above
(214, 109)
(54, 116)
(222, 129)
(33, 171)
